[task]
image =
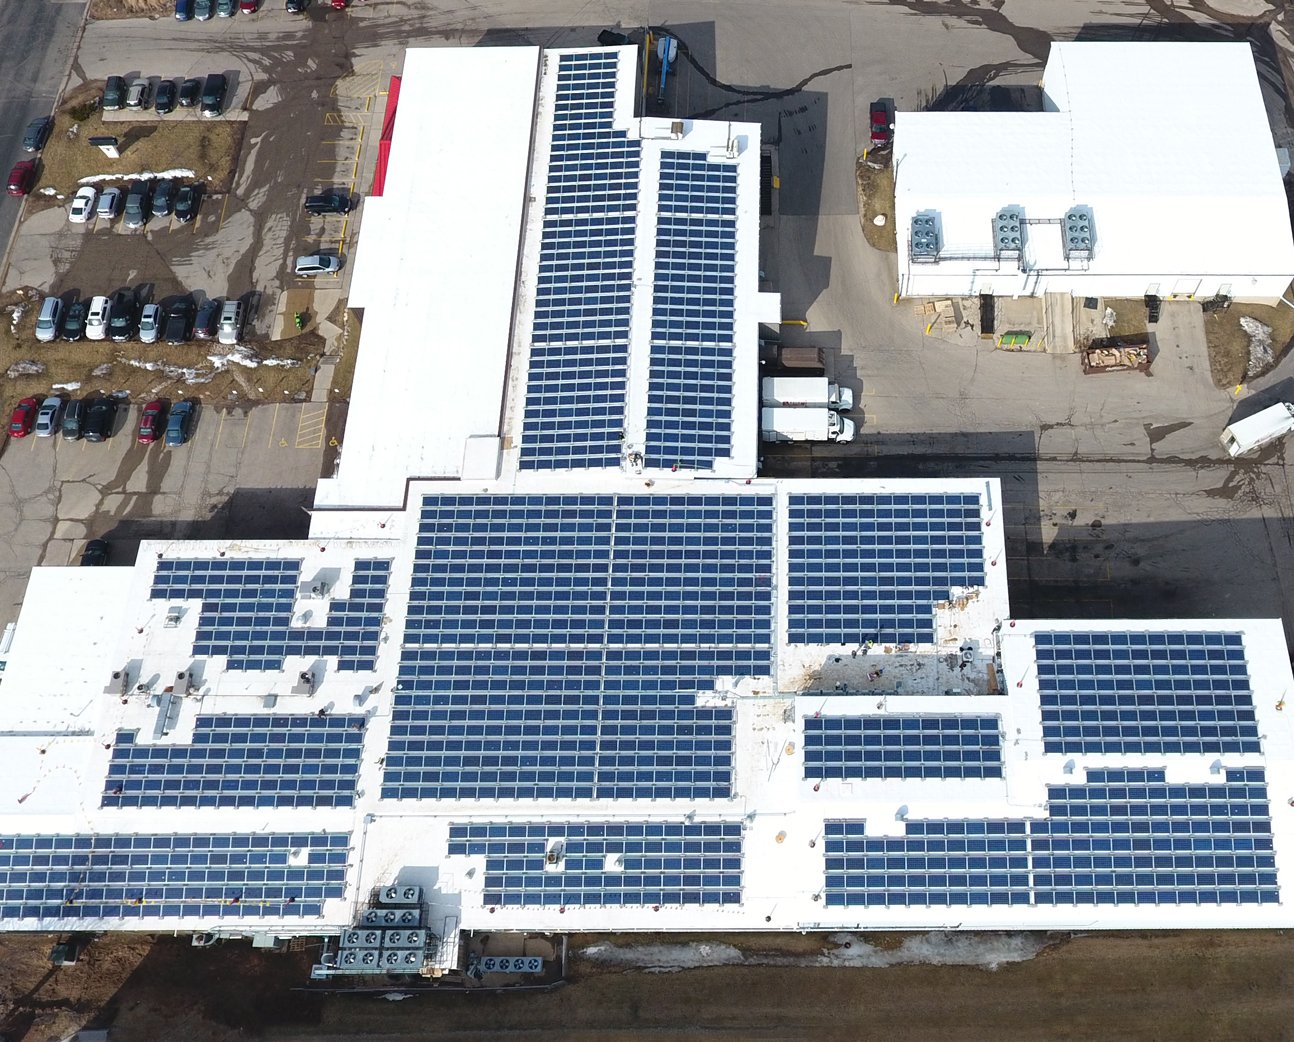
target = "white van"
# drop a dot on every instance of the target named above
(1262, 428)
(47, 321)
(96, 322)
(231, 322)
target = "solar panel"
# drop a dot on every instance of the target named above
(153, 876)
(551, 593)
(579, 349)
(872, 567)
(933, 747)
(241, 761)
(1124, 837)
(557, 746)
(605, 864)
(1139, 693)
(247, 611)
(689, 399)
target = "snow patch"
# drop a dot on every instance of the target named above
(182, 374)
(249, 359)
(25, 367)
(1260, 345)
(71, 385)
(145, 175)
(102, 369)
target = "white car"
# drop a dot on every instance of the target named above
(96, 322)
(317, 264)
(47, 419)
(150, 323)
(83, 205)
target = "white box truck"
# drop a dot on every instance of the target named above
(1262, 428)
(814, 391)
(796, 424)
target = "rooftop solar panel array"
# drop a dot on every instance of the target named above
(932, 747)
(1139, 692)
(241, 761)
(583, 593)
(1125, 837)
(689, 398)
(198, 875)
(557, 746)
(579, 350)
(871, 567)
(247, 611)
(605, 864)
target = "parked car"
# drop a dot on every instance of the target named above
(100, 415)
(121, 326)
(150, 323)
(114, 93)
(226, 8)
(137, 204)
(202, 9)
(21, 177)
(882, 128)
(183, 10)
(326, 204)
(179, 320)
(190, 91)
(109, 204)
(213, 95)
(179, 423)
(48, 416)
(247, 6)
(316, 264)
(186, 202)
(72, 328)
(163, 197)
(297, 6)
(230, 328)
(95, 554)
(37, 133)
(340, 5)
(204, 326)
(152, 422)
(51, 310)
(164, 101)
(83, 204)
(141, 91)
(22, 417)
(96, 322)
(73, 418)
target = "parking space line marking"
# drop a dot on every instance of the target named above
(222, 212)
(274, 421)
(310, 428)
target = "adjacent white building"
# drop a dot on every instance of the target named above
(1150, 170)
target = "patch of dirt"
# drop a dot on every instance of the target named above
(1229, 344)
(105, 9)
(346, 351)
(1129, 315)
(876, 199)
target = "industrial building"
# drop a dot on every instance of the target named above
(554, 657)
(1150, 170)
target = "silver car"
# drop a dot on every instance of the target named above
(47, 419)
(150, 323)
(109, 204)
(316, 264)
(138, 95)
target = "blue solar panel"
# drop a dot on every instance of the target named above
(241, 761)
(205, 875)
(1137, 693)
(872, 567)
(622, 863)
(902, 747)
(579, 350)
(557, 746)
(247, 608)
(1125, 837)
(589, 593)
(689, 399)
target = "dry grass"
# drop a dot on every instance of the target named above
(1129, 315)
(876, 198)
(346, 351)
(1229, 344)
(103, 9)
(207, 147)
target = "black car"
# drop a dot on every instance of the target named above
(213, 95)
(95, 553)
(114, 93)
(204, 326)
(186, 202)
(72, 327)
(329, 203)
(163, 197)
(190, 91)
(179, 321)
(125, 316)
(297, 6)
(74, 418)
(37, 134)
(100, 416)
(611, 38)
(164, 99)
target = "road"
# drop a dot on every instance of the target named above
(40, 38)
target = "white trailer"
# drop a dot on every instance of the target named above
(812, 391)
(1262, 428)
(796, 424)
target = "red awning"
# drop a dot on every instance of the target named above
(384, 142)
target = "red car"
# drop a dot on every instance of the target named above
(24, 415)
(247, 6)
(882, 128)
(152, 423)
(340, 5)
(21, 177)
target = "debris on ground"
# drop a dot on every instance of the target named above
(1261, 353)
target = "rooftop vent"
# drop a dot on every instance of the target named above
(1008, 231)
(926, 237)
(1080, 235)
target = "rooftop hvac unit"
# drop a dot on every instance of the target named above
(1008, 231)
(400, 895)
(409, 918)
(1079, 233)
(404, 939)
(926, 237)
